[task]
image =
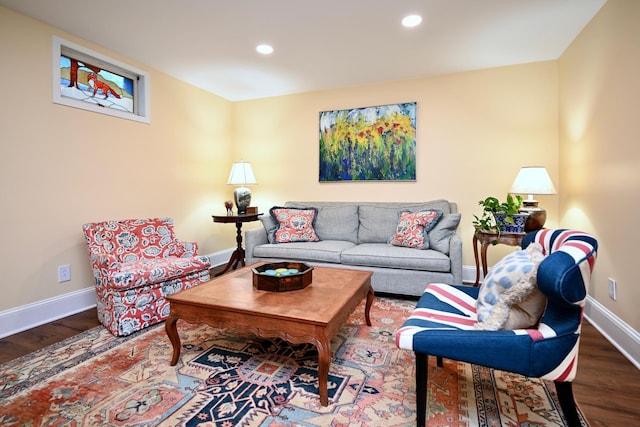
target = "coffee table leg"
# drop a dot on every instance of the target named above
(324, 360)
(367, 307)
(172, 332)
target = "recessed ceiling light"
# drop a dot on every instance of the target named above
(411, 21)
(264, 49)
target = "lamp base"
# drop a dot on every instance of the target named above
(536, 219)
(242, 197)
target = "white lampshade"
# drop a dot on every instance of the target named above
(241, 174)
(533, 180)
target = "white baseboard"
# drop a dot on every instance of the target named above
(38, 313)
(469, 274)
(29, 316)
(220, 258)
(621, 335)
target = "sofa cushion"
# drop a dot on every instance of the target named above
(270, 226)
(334, 222)
(509, 283)
(322, 251)
(294, 225)
(378, 221)
(412, 228)
(440, 235)
(385, 255)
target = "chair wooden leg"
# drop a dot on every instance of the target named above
(567, 403)
(421, 388)
(439, 361)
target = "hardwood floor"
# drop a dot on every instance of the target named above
(607, 387)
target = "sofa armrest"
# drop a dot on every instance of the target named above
(455, 255)
(253, 238)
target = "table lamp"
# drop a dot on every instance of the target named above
(242, 174)
(533, 180)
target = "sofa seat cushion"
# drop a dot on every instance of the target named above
(157, 270)
(322, 251)
(385, 255)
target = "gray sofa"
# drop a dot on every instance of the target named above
(356, 235)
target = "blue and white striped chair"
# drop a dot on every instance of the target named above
(442, 323)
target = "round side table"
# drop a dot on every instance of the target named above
(237, 257)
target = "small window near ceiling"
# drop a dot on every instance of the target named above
(91, 81)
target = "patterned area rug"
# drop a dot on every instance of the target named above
(228, 379)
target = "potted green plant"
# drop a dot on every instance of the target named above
(500, 216)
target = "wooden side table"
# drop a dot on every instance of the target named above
(486, 239)
(237, 257)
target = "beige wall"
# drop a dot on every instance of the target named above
(475, 131)
(61, 167)
(600, 148)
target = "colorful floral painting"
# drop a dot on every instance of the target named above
(369, 144)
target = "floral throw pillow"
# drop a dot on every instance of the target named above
(412, 228)
(294, 225)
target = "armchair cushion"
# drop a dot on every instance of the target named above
(147, 271)
(509, 297)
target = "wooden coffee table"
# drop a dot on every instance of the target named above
(311, 315)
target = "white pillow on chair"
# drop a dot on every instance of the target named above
(509, 297)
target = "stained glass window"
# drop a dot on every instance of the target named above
(88, 80)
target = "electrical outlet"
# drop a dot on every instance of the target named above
(613, 292)
(64, 273)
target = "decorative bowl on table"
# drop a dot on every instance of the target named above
(282, 276)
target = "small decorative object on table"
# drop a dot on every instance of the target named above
(229, 206)
(282, 276)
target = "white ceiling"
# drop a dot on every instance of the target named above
(319, 44)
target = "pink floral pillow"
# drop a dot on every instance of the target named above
(294, 225)
(412, 228)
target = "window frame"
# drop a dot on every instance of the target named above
(140, 78)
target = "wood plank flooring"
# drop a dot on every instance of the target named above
(607, 387)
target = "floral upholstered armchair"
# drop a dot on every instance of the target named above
(137, 263)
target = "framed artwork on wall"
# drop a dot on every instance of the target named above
(91, 81)
(368, 144)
